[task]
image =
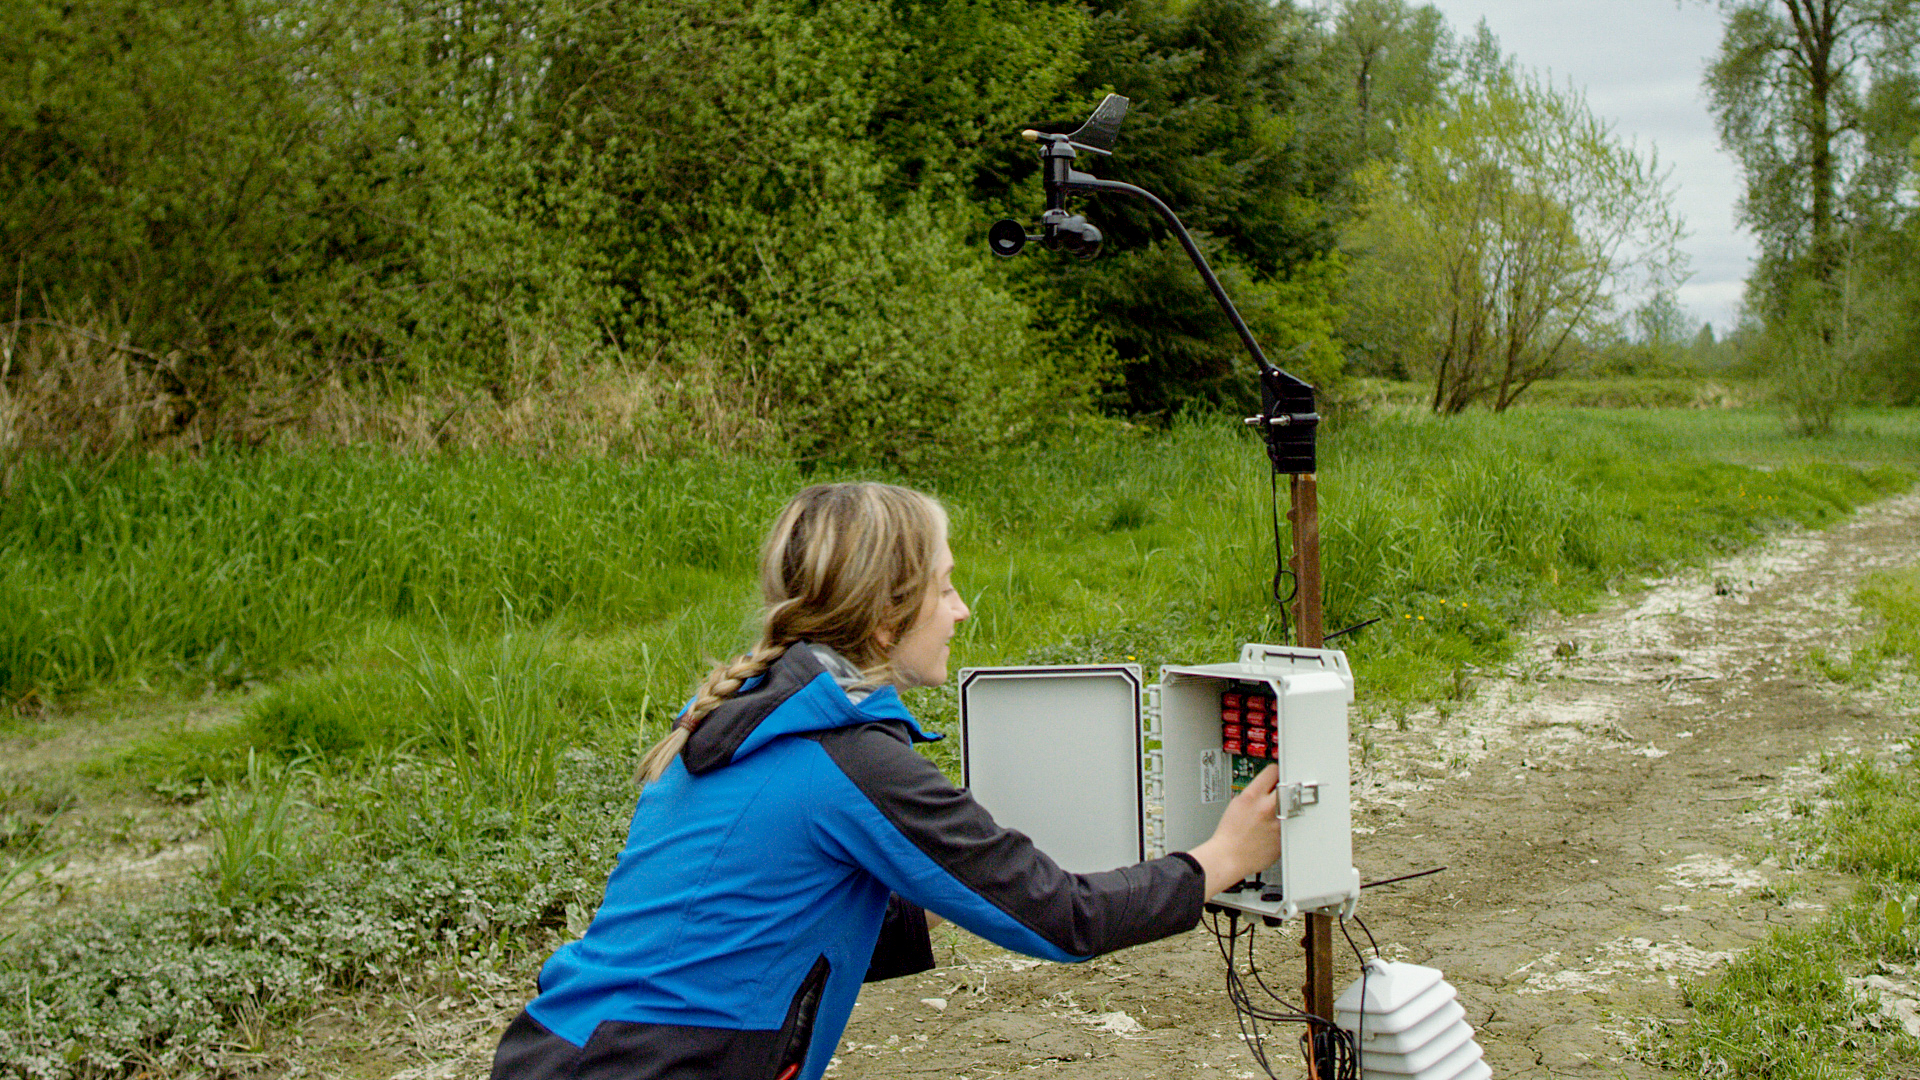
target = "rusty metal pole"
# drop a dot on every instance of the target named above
(1304, 516)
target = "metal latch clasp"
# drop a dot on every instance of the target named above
(1293, 797)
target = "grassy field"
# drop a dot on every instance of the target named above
(441, 668)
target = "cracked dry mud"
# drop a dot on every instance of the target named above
(1606, 809)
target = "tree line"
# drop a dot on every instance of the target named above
(789, 196)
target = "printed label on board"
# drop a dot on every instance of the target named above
(1213, 776)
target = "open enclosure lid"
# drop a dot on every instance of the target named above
(1057, 753)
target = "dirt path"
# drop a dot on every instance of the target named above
(1609, 810)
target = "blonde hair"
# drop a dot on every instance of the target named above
(843, 563)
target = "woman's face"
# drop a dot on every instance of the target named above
(920, 655)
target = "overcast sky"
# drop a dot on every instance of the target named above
(1639, 63)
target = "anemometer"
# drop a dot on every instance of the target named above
(1101, 768)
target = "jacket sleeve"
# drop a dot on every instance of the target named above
(905, 946)
(883, 807)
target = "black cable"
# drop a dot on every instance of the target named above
(1236, 991)
(1357, 954)
(1280, 570)
(1254, 970)
(1359, 1007)
(1374, 945)
(1322, 1037)
(1246, 1013)
(1351, 629)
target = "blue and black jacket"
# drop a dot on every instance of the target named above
(789, 854)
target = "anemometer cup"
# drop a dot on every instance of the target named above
(1059, 231)
(1006, 237)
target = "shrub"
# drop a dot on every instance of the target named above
(423, 873)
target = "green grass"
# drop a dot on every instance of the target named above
(1894, 600)
(1450, 532)
(453, 662)
(258, 850)
(319, 574)
(238, 566)
(1580, 392)
(1638, 392)
(1784, 1010)
(1865, 437)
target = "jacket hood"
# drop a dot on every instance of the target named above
(795, 695)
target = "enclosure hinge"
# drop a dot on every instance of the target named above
(1153, 805)
(1153, 790)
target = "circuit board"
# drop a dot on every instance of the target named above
(1249, 729)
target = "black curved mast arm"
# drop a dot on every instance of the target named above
(1288, 417)
(1079, 181)
(1287, 423)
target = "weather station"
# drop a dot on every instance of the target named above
(1102, 768)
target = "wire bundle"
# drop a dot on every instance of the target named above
(1323, 1040)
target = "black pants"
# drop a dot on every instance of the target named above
(628, 1051)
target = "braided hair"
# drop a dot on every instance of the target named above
(843, 564)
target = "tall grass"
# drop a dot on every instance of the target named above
(259, 847)
(1450, 533)
(496, 723)
(241, 566)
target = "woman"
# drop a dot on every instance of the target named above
(789, 841)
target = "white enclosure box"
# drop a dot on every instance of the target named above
(1102, 771)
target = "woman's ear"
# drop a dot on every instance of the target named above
(884, 637)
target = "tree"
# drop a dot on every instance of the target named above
(781, 189)
(1824, 343)
(336, 185)
(1503, 236)
(1812, 97)
(1392, 59)
(1661, 323)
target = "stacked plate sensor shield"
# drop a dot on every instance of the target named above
(1408, 1025)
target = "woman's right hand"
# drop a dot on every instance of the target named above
(1247, 840)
